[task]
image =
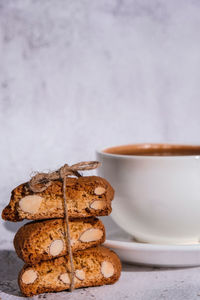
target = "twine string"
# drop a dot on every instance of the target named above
(41, 181)
(67, 236)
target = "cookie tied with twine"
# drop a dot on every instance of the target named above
(41, 181)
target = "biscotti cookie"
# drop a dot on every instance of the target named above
(94, 266)
(43, 240)
(86, 196)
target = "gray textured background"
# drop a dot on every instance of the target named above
(76, 76)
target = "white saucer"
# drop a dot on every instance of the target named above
(152, 254)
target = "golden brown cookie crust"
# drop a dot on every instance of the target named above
(44, 240)
(84, 198)
(97, 266)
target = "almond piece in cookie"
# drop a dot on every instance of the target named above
(99, 190)
(107, 269)
(80, 274)
(91, 235)
(30, 204)
(56, 247)
(97, 204)
(64, 277)
(29, 276)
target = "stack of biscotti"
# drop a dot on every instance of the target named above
(42, 244)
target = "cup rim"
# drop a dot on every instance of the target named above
(153, 157)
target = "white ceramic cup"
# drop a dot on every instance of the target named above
(157, 198)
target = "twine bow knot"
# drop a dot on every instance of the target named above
(41, 181)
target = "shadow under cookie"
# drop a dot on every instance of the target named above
(10, 267)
